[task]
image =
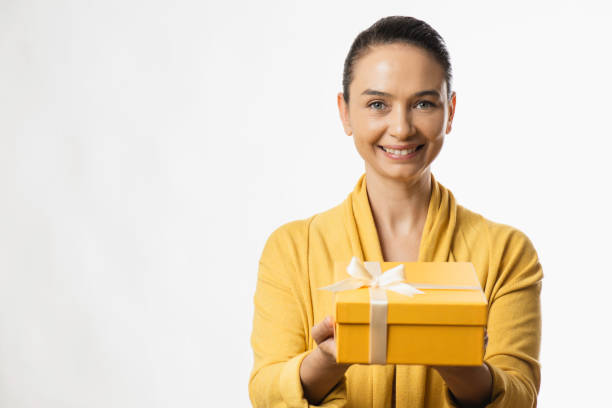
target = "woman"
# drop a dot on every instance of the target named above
(398, 105)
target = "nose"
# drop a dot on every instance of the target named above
(401, 126)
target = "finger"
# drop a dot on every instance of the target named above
(329, 348)
(322, 330)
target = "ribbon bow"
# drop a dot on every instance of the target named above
(370, 275)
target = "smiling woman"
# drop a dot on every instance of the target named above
(397, 105)
(401, 111)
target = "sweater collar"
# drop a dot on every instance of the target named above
(437, 234)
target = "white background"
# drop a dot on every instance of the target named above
(148, 149)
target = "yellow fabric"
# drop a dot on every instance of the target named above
(298, 258)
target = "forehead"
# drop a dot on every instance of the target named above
(398, 68)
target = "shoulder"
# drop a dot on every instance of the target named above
(284, 257)
(505, 252)
(499, 236)
(287, 239)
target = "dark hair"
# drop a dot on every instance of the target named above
(394, 29)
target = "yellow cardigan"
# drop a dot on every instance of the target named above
(298, 258)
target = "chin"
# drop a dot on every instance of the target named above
(407, 175)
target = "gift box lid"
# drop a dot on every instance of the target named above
(461, 307)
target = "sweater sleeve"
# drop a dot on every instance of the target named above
(281, 325)
(514, 322)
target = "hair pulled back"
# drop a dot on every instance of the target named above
(397, 29)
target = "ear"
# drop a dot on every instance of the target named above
(451, 112)
(344, 114)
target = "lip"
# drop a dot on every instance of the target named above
(403, 157)
(401, 147)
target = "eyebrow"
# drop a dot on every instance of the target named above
(429, 92)
(375, 92)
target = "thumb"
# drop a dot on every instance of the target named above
(323, 330)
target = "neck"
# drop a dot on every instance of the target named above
(399, 207)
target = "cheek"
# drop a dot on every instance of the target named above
(369, 126)
(432, 126)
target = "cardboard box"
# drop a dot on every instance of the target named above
(438, 327)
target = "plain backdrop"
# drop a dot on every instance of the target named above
(148, 149)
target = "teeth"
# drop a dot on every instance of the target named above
(402, 152)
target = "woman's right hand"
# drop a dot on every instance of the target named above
(323, 335)
(319, 371)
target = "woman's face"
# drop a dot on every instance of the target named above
(398, 112)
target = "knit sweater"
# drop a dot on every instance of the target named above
(298, 258)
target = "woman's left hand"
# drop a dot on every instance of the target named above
(471, 386)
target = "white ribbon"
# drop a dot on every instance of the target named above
(369, 275)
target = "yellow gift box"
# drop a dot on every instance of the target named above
(442, 325)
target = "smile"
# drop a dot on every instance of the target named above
(401, 152)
